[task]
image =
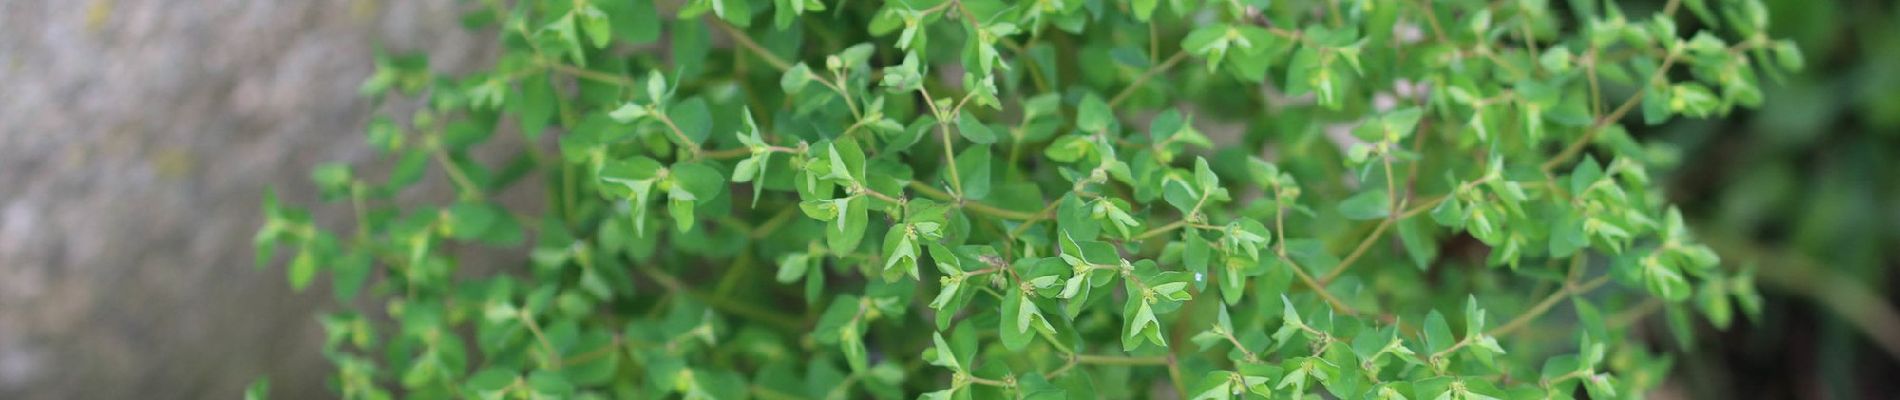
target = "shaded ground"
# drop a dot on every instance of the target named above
(138, 137)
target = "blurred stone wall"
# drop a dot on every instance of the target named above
(136, 138)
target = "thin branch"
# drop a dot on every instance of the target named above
(1043, 215)
(880, 196)
(971, 205)
(590, 355)
(1317, 288)
(589, 74)
(1377, 232)
(673, 284)
(547, 346)
(950, 158)
(1145, 76)
(1570, 288)
(1174, 374)
(469, 188)
(1120, 360)
(1628, 104)
(1161, 230)
(677, 133)
(746, 42)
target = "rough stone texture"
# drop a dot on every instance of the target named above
(137, 139)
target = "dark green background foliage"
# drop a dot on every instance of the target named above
(1055, 199)
(1803, 188)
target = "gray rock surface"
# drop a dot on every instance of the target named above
(136, 139)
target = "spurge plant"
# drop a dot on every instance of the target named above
(805, 199)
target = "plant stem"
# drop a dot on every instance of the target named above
(1318, 288)
(1040, 216)
(950, 159)
(677, 133)
(1570, 288)
(1628, 104)
(470, 190)
(1120, 360)
(673, 284)
(589, 74)
(590, 355)
(554, 357)
(971, 205)
(746, 42)
(1161, 230)
(1145, 76)
(1357, 252)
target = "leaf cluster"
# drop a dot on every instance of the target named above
(1050, 199)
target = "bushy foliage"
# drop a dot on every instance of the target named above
(1049, 199)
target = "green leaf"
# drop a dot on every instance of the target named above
(1421, 243)
(1018, 315)
(303, 268)
(692, 184)
(940, 354)
(1233, 284)
(974, 130)
(844, 236)
(1144, 9)
(853, 345)
(900, 253)
(490, 383)
(1788, 56)
(534, 106)
(699, 180)
(1664, 280)
(468, 221)
(1143, 324)
(1370, 204)
(595, 23)
(1093, 114)
(259, 389)
(1449, 213)
(791, 267)
(1693, 100)
(795, 79)
(333, 178)
(1209, 183)
(1656, 105)
(1195, 256)
(550, 385)
(1166, 125)
(1437, 332)
(1290, 322)
(1713, 300)
(564, 32)
(1567, 234)
(636, 21)
(693, 119)
(1069, 148)
(1210, 41)
(1213, 386)
(736, 12)
(973, 168)
(691, 45)
(846, 162)
(1077, 220)
(349, 274)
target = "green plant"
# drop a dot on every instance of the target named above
(974, 198)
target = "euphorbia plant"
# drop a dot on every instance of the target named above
(1060, 198)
